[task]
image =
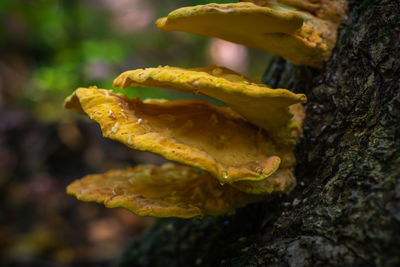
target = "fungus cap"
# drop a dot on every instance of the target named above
(166, 191)
(282, 181)
(193, 132)
(332, 10)
(265, 107)
(236, 19)
(309, 41)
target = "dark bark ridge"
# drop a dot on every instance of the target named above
(345, 210)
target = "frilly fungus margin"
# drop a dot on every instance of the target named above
(237, 155)
(301, 31)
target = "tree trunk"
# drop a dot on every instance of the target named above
(345, 210)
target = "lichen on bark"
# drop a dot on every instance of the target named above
(345, 210)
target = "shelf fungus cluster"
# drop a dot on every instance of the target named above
(301, 31)
(234, 155)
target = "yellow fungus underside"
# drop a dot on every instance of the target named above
(307, 40)
(282, 181)
(265, 107)
(193, 132)
(331, 10)
(166, 191)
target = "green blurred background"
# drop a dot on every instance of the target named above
(51, 47)
(48, 48)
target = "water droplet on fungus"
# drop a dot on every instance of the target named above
(130, 142)
(195, 83)
(217, 71)
(214, 119)
(111, 114)
(114, 129)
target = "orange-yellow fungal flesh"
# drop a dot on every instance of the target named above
(310, 42)
(281, 181)
(228, 17)
(193, 132)
(331, 10)
(166, 191)
(265, 107)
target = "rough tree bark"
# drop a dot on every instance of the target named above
(345, 210)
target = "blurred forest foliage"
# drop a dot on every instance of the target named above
(51, 47)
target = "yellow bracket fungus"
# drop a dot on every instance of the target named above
(193, 132)
(245, 150)
(227, 17)
(265, 107)
(166, 191)
(301, 31)
(281, 181)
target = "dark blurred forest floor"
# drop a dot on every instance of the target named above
(39, 224)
